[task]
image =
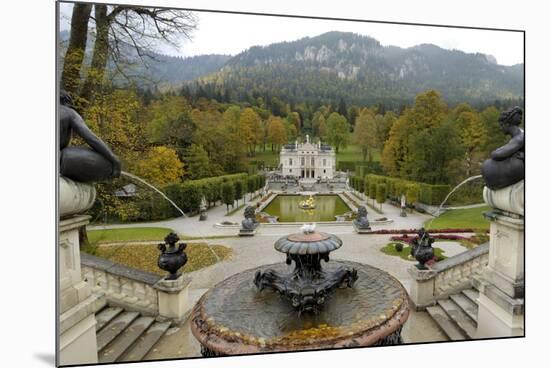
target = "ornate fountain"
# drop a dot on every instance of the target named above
(308, 285)
(307, 204)
(312, 305)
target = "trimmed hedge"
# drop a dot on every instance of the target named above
(431, 194)
(360, 168)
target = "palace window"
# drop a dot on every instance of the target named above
(324, 162)
(303, 161)
(290, 162)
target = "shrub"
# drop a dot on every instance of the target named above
(372, 190)
(366, 187)
(228, 194)
(381, 193)
(399, 247)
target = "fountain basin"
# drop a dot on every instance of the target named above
(287, 208)
(234, 318)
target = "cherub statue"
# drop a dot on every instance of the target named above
(507, 163)
(79, 163)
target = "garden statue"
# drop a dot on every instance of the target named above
(202, 210)
(171, 258)
(422, 249)
(507, 163)
(403, 206)
(79, 163)
(249, 223)
(361, 222)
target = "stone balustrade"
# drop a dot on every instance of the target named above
(124, 286)
(448, 276)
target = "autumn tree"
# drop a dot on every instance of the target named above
(338, 131)
(198, 163)
(276, 132)
(294, 118)
(495, 137)
(117, 29)
(364, 132)
(323, 130)
(74, 56)
(474, 137)
(160, 166)
(171, 124)
(233, 151)
(251, 129)
(291, 131)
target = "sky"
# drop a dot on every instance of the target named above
(230, 34)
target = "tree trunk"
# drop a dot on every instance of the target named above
(99, 58)
(70, 76)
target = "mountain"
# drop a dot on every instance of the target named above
(159, 68)
(358, 69)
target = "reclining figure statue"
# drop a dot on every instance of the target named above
(79, 163)
(507, 163)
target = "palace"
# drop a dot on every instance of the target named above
(308, 160)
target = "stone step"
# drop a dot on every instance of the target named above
(471, 294)
(114, 328)
(105, 316)
(112, 352)
(445, 323)
(461, 319)
(467, 306)
(145, 342)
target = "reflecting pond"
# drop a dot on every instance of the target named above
(287, 209)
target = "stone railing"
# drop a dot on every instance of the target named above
(448, 276)
(130, 288)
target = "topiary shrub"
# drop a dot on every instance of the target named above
(398, 247)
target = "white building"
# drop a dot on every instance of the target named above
(308, 160)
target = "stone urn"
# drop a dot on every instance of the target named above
(422, 249)
(171, 258)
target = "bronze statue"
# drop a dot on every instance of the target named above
(362, 222)
(507, 163)
(422, 249)
(249, 223)
(79, 163)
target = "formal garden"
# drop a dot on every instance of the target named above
(180, 204)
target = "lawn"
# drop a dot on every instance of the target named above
(127, 234)
(138, 234)
(463, 218)
(144, 257)
(353, 153)
(390, 250)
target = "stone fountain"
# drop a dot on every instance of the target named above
(79, 167)
(277, 308)
(502, 287)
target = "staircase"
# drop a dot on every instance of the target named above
(457, 315)
(124, 336)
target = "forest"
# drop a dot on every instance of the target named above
(198, 131)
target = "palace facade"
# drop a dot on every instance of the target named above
(308, 160)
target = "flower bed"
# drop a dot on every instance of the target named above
(409, 239)
(438, 231)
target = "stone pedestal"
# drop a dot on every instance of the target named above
(74, 197)
(77, 304)
(173, 297)
(502, 284)
(422, 287)
(361, 229)
(246, 232)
